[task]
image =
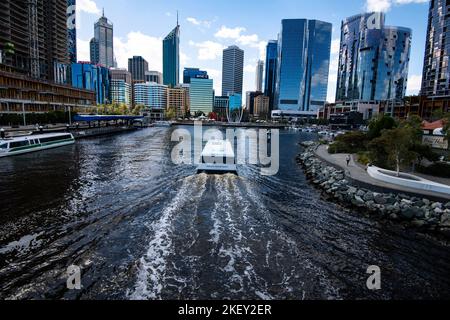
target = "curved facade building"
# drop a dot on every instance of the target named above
(373, 59)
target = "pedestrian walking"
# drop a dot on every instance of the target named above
(348, 160)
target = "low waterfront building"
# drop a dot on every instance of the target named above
(151, 95)
(220, 107)
(178, 99)
(92, 77)
(22, 94)
(201, 95)
(262, 107)
(369, 109)
(121, 87)
(250, 103)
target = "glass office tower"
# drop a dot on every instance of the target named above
(304, 48)
(373, 59)
(201, 95)
(102, 45)
(436, 70)
(190, 73)
(171, 58)
(92, 77)
(271, 71)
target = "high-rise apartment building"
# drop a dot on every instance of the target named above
(171, 58)
(259, 76)
(137, 66)
(250, 101)
(153, 76)
(304, 48)
(121, 87)
(102, 45)
(436, 69)
(271, 71)
(201, 95)
(373, 59)
(232, 71)
(261, 107)
(34, 36)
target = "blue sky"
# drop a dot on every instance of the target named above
(208, 26)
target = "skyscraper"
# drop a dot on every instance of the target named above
(436, 69)
(232, 71)
(137, 66)
(171, 57)
(259, 75)
(72, 30)
(304, 48)
(102, 45)
(92, 77)
(271, 71)
(33, 35)
(373, 59)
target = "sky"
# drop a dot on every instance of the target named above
(209, 26)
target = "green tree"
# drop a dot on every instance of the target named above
(170, 113)
(377, 125)
(395, 146)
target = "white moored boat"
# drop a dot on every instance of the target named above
(217, 157)
(19, 145)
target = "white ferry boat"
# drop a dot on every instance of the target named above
(217, 158)
(20, 145)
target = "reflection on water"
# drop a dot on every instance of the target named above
(142, 228)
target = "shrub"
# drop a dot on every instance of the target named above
(439, 169)
(363, 158)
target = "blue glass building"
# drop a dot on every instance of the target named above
(271, 71)
(193, 73)
(304, 48)
(373, 59)
(235, 101)
(92, 77)
(171, 58)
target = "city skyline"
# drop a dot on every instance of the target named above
(205, 35)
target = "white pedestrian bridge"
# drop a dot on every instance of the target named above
(407, 180)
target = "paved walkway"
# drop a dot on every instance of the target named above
(357, 172)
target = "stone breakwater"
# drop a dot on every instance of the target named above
(421, 213)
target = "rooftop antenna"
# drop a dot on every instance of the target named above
(177, 19)
(103, 12)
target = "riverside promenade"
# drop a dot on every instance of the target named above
(358, 174)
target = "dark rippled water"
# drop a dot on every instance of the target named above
(142, 228)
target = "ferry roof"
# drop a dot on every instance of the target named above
(34, 136)
(218, 148)
(89, 118)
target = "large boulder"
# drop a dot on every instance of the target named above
(379, 198)
(368, 196)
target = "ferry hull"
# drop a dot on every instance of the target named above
(217, 169)
(35, 149)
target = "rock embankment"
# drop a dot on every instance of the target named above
(417, 212)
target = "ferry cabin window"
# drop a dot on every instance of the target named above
(52, 139)
(18, 144)
(4, 146)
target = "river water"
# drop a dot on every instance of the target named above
(141, 227)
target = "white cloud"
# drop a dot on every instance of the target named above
(385, 5)
(250, 68)
(83, 53)
(199, 23)
(335, 46)
(139, 44)
(414, 84)
(88, 6)
(216, 75)
(229, 33)
(208, 50)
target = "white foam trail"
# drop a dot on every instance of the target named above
(152, 272)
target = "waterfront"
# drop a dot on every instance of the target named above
(142, 228)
